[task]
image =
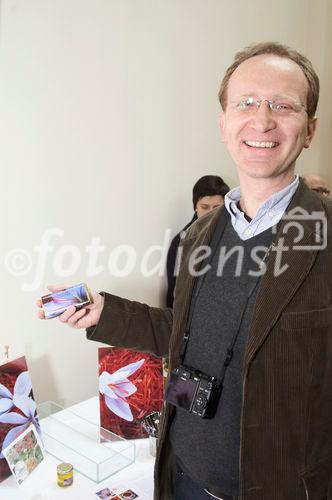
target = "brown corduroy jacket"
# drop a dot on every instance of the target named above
(286, 421)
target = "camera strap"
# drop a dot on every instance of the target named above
(215, 244)
(230, 349)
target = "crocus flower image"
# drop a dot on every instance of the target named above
(56, 303)
(22, 387)
(116, 387)
(144, 374)
(17, 406)
(70, 296)
(21, 422)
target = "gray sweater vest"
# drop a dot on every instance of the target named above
(209, 449)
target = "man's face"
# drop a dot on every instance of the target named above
(208, 203)
(263, 143)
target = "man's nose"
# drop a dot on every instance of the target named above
(263, 119)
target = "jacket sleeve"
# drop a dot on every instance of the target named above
(130, 324)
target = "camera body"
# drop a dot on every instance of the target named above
(193, 391)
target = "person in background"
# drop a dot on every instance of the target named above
(317, 183)
(208, 194)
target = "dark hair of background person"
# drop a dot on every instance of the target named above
(208, 185)
(317, 183)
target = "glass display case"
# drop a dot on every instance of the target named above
(93, 451)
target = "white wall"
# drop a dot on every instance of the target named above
(108, 115)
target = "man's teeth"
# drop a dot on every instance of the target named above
(256, 144)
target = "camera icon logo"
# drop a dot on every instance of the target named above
(296, 219)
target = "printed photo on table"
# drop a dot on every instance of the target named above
(24, 454)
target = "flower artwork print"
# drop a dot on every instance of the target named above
(56, 303)
(130, 387)
(17, 406)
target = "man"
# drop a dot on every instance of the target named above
(317, 183)
(265, 339)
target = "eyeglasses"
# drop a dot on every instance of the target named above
(322, 190)
(279, 106)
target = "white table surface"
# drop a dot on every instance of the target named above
(42, 483)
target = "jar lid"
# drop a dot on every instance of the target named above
(64, 468)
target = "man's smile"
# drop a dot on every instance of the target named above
(261, 144)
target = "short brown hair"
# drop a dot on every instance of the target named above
(280, 50)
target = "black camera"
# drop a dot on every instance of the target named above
(193, 391)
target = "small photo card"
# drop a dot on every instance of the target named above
(56, 303)
(115, 494)
(106, 494)
(128, 495)
(24, 454)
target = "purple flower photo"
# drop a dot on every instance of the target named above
(17, 406)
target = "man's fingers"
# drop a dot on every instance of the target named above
(40, 312)
(71, 316)
(74, 320)
(64, 317)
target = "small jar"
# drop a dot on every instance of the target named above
(65, 474)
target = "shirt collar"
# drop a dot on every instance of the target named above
(278, 200)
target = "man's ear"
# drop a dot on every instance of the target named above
(311, 129)
(222, 126)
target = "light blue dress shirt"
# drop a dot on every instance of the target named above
(268, 214)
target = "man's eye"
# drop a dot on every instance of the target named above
(246, 104)
(283, 106)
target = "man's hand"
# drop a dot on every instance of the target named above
(84, 318)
